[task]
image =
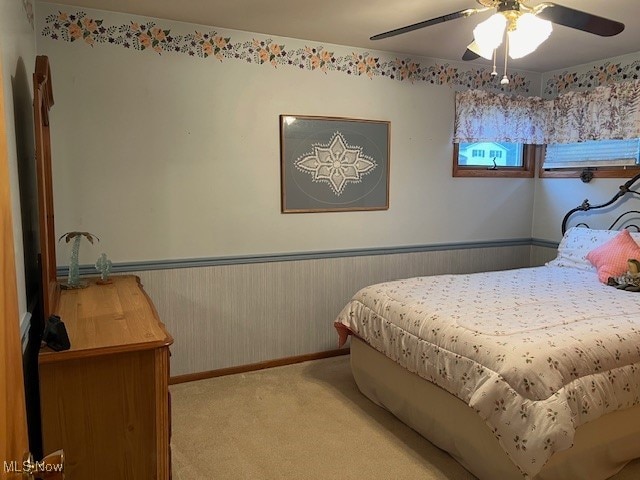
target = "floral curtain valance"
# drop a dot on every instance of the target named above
(605, 113)
(484, 117)
(610, 112)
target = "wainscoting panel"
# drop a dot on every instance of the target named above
(229, 315)
(542, 254)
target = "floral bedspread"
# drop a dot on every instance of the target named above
(536, 352)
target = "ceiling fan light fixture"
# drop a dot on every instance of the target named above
(529, 34)
(488, 35)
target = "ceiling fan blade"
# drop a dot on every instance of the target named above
(474, 52)
(428, 23)
(579, 20)
(469, 55)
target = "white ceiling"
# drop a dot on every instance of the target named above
(352, 22)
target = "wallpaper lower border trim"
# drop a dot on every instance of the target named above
(539, 242)
(288, 257)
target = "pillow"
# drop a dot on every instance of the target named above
(577, 243)
(611, 258)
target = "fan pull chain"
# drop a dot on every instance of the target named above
(505, 79)
(494, 72)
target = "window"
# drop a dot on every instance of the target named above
(482, 116)
(493, 159)
(600, 158)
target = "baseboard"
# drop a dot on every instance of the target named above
(192, 377)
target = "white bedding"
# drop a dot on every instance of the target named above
(536, 351)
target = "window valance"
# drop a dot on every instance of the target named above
(605, 113)
(488, 117)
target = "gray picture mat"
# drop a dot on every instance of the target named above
(301, 193)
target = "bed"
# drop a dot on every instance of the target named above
(528, 373)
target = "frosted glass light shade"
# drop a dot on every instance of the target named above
(488, 34)
(529, 34)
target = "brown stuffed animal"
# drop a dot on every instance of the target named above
(629, 281)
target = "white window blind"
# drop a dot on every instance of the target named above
(597, 153)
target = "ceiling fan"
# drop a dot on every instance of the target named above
(527, 27)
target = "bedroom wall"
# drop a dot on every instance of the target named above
(554, 197)
(169, 156)
(18, 47)
(172, 160)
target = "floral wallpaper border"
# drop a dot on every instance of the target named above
(149, 36)
(78, 26)
(604, 74)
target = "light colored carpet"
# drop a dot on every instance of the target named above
(304, 421)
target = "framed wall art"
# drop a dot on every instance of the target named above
(333, 164)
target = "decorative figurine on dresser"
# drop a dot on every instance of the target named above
(103, 265)
(73, 280)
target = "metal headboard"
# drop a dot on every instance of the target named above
(586, 206)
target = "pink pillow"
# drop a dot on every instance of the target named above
(610, 259)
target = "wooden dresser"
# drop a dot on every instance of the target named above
(106, 400)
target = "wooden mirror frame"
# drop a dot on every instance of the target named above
(42, 103)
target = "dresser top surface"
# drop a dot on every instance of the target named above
(115, 317)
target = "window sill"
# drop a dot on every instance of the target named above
(597, 173)
(497, 173)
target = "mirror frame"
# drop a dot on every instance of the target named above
(42, 103)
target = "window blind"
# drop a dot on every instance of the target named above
(597, 153)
